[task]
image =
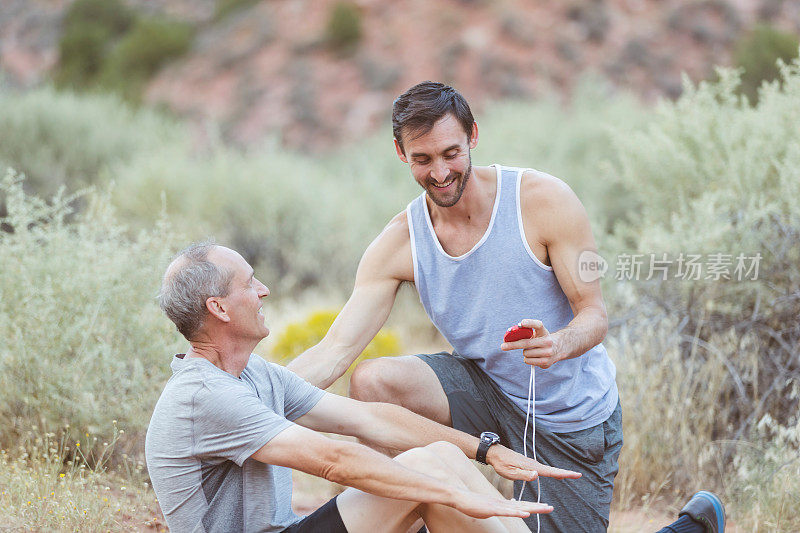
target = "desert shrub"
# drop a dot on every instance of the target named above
(299, 336)
(287, 215)
(111, 14)
(106, 45)
(573, 141)
(757, 53)
(223, 8)
(150, 43)
(82, 52)
(88, 31)
(344, 28)
(765, 480)
(84, 342)
(62, 138)
(712, 357)
(285, 211)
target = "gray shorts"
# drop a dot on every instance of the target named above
(580, 505)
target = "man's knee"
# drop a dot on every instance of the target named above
(375, 380)
(446, 450)
(425, 459)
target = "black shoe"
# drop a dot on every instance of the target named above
(707, 509)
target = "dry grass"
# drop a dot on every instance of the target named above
(52, 484)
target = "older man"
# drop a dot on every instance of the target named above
(229, 426)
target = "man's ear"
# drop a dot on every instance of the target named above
(399, 151)
(217, 308)
(473, 138)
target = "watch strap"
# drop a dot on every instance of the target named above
(486, 441)
(483, 447)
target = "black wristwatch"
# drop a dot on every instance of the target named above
(487, 440)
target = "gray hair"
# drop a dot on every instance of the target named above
(188, 284)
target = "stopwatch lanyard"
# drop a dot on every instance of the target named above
(531, 414)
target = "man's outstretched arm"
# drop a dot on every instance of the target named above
(386, 263)
(396, 428)
(355, 465)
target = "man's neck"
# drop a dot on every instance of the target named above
(228, 356)
(474, 206)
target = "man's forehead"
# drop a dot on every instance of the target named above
(445, 134)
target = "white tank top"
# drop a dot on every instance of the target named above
(473, 298)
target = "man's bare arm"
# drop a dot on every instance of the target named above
(563, 227)
(395, 428)
(355, 465)
(386, 263)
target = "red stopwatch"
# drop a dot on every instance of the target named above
(516, 333)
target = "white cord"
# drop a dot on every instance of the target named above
(531, 407)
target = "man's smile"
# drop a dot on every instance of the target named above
(445, 184)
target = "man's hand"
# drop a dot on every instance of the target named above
(540, 350)
(483, 506)
(513, 465)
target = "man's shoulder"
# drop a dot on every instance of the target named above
(397, 227)
(549, 206)
(544, 187)
(546, 199)
(389, 254)
(195, 382)
(261, 369)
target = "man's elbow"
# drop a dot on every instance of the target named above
(595, 321)
(335, 473)
(335, 464)
(602, 324)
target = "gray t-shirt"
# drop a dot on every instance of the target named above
(205, 427)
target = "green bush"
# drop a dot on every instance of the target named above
(89, 29)
(223, 8)
(82, 52)
(84, 343)
(344, 29)
(106, 45)
(149, 44)
(112, 15)
(757, 54)
(299, 336)
(288, 215)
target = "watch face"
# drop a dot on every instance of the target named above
(488, 436)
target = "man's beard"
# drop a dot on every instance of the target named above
(461, 183)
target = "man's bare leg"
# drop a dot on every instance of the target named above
(407, 381)
(362, 512)
(475, 481)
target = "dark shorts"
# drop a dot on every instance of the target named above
(582, 505)
(326, 519)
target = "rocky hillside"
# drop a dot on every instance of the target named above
(274, 67)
